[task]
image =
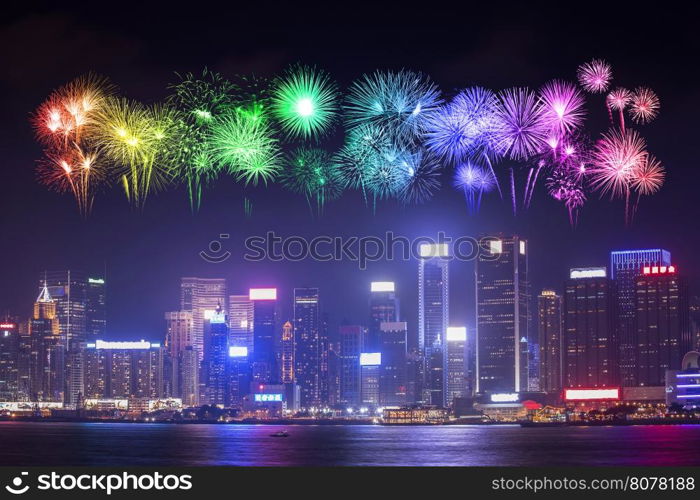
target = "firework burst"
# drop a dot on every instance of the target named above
(246, 148)
(644, 105)
(201, 98)
(305, 102)
(474, 181)
(521, 125)
(595, 76)
(615, 159)
(562, 107)
(420, 172)
(399, 102)
(567, 187)
(463, 127)
(313, 173)
(648, 177)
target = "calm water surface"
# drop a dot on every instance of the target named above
(115, 444)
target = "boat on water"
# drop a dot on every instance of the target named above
(280, 434)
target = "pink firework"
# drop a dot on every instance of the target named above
(617, 156)
(648, 177)
(644, 105)
(562, 106)
(595, 76)
(619, 98)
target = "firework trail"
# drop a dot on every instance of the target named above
(618, 100)
(595, 76)
(400, 102)
(245, 147)
(313, 173)
(474, 181)
(305, 102)
(567, 187)
(62, 124)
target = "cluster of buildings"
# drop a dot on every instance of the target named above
(612, 333)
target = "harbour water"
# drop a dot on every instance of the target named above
(121, 444)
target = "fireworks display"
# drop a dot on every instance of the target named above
(305, 103)
(401, 136)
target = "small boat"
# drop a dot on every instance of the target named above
(280, 434)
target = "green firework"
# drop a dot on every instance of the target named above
(305, 102)
(246, 148)
(313, 173)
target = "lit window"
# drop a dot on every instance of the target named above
(496, 246)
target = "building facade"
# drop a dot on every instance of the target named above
(549, 332)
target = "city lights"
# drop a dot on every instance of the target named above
(505, 397)
(382, 286)
(588, 272)
(262, 294)
(370, 359)
(141, 344)
(429, 250)
(238, 351)
(591, 394)
(456, 333)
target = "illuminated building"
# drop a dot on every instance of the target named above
(264, 360)
(215, 364)
(178, 338)
(266, 400)
(683, 385)
(591, 358)
(370, 371)
(415, 376)
(383, 308)
(95, 309)
(625, 267)
(124, 369)
(240, 321)
(392, 374)
(307, 349)
(238, 375)
(47, 363)
(351, 345)
(456, 364)
(201, 296)
(287, 353)
(433, 317)
(9, 357)
(413, 416)
(533, 363)
(662, 324)
(69, 291)
(324, 385)
(502, 290)
(549, 325)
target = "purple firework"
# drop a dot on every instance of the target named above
(521, 125)
(595, 76)
(562, 107)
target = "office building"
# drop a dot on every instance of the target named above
(214, 375)
(383, 308)
(625, 267)
(662, 325)
(307, 348)
(287, 353)
(502, 302)
(456, 368)
(433, 317)
(95, 309)
(591, 359)
(264, 358)
(351, 346)
(240, 321)
(392, 379)
(549, 332)
(9, 358)
(201, 296)
(370, 373)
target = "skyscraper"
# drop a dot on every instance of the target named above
(625, 267)
(95, 309)
(178, 338)
(456, 372)
(589, 333)
(383, 308)
(351, 346)
(287, 353)
(264, 358)
(47, 366)
(662, 325)
(216, 359)
(392, 378)
(370, 372)
(433, 317)
(201, 296)
(69, 291)
(549, 325)
(307, 349)
(240, 321)
(502, 303)
(9, 357)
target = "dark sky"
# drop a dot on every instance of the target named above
(139, 49)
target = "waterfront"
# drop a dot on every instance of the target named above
(121, 444)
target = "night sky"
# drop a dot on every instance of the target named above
(146, 253)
